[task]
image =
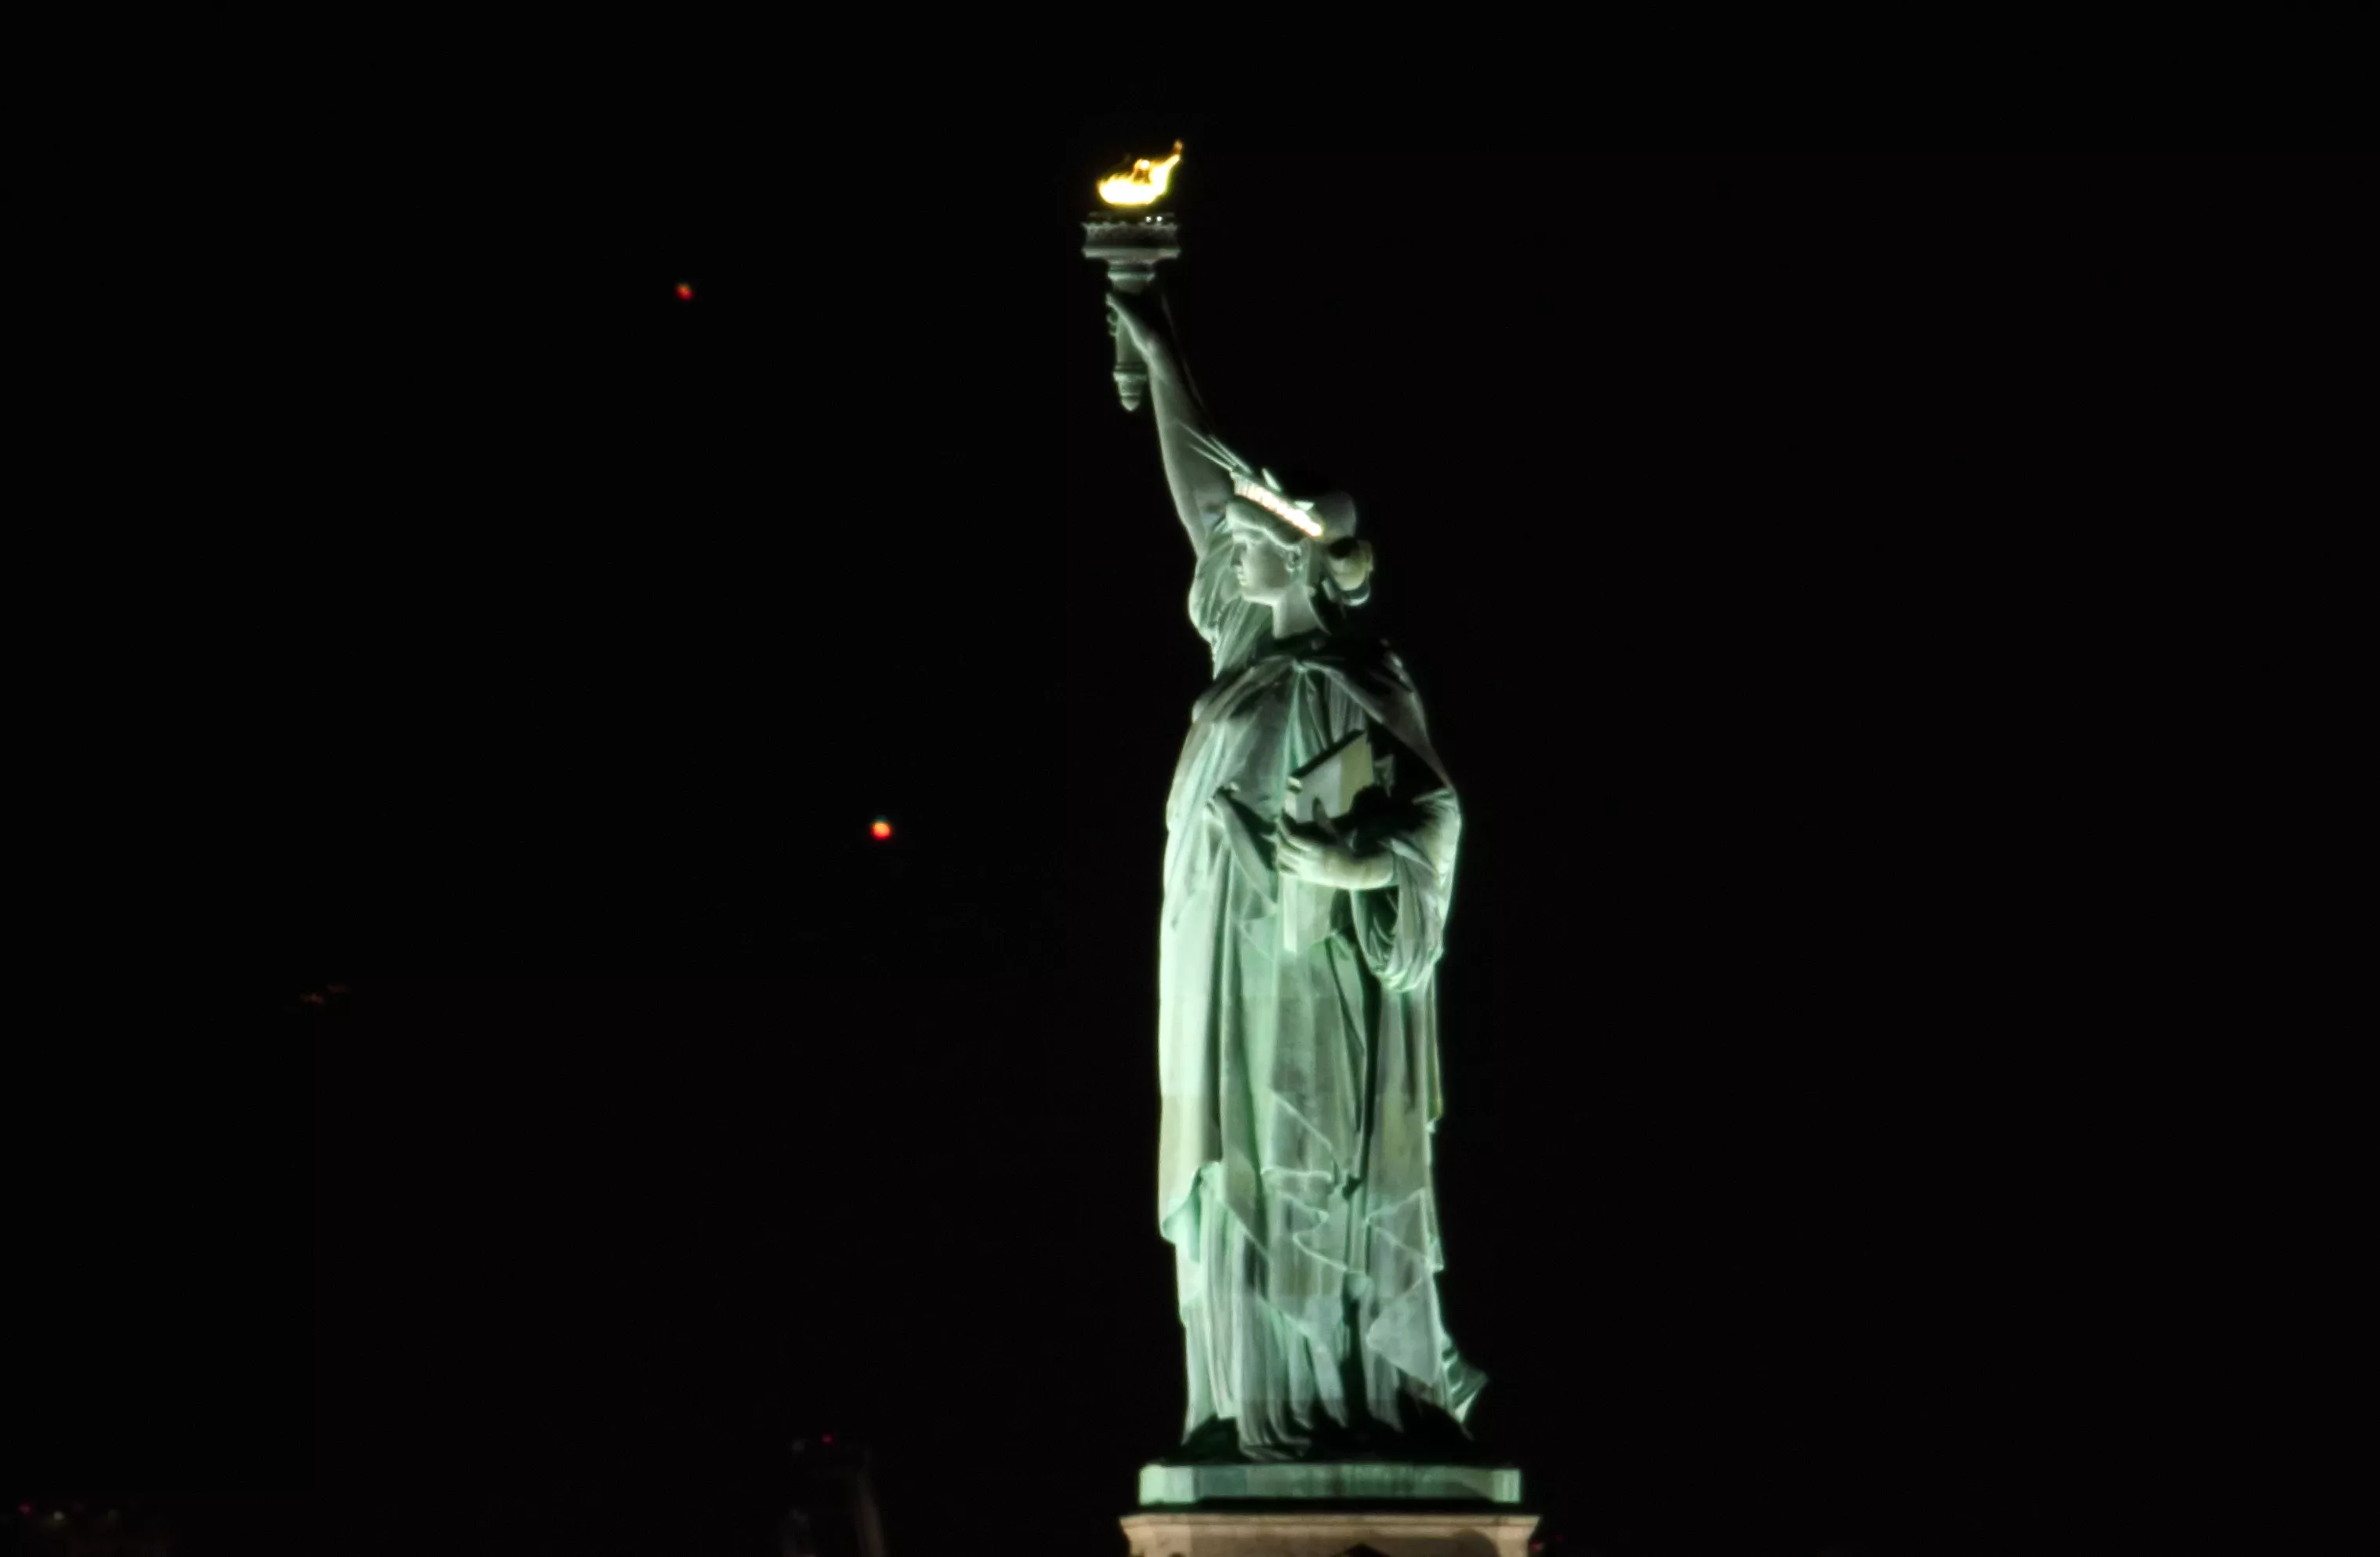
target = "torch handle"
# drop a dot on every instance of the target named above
(1131, 376)
(1131, 368)
(1132, 249)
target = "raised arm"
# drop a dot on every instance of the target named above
(1200, 486)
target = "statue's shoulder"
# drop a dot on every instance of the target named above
(1371, 665)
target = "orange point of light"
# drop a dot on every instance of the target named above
(881, 830)
(685, 291)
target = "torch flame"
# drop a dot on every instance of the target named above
(1144, 185)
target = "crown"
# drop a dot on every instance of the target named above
(1264, 489)
(1288, 510)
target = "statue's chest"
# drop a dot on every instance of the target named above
(1256, 734)
(1256, 738)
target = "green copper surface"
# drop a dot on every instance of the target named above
(1308, 874)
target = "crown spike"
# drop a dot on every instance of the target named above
(1217, 451)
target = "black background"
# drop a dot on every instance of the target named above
(1817, 570)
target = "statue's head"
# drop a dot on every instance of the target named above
(1301, 543)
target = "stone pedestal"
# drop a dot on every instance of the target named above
(1488, 1531)
(1371, 1508)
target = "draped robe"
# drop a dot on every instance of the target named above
(1300, 1087)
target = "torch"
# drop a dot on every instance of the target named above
(1133, 240)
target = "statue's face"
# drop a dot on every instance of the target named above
(1262, 571)
(1265, 571)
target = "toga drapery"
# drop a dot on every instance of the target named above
(1300, 1085)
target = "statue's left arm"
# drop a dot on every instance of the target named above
(1401, 922)
(1395, 857)
(1409, 834)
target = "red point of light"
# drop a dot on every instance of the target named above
(880, 830)
(25, 1509)
(685, 291)
(828, 1437)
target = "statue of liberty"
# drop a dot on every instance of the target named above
(1309, 868)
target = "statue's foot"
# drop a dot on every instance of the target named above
(1215, 1442)
(1431, 1435)
(1426, 1435)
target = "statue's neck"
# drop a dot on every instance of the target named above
(1292, 616)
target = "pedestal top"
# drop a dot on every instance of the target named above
(1489, 1532)
(1163, 1485)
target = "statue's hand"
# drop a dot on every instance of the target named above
(1313, 853)
(1129, 318)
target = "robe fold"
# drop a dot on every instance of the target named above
(1299, 1087)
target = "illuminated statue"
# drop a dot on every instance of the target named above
(1309, 866)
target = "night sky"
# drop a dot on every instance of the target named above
(1793, 551)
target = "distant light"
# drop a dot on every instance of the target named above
(25, 1509)
(883, 829)
(685, 292)
(826, 1438)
